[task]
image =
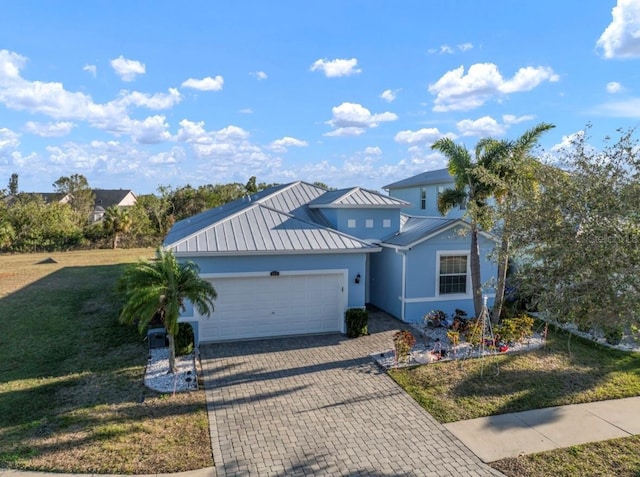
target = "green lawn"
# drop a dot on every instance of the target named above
(72, 397)
(569, 370)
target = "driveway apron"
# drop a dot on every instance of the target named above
(319, 405)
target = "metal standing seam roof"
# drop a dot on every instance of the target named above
(438, 176)
(274, 222)
(356, 197)
(417, 229)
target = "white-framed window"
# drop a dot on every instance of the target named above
(368, 223)
(351, 223)
(453, 273)
(386, 223)
(440, 190)
(423, 198)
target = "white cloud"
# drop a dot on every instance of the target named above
(629, 108)
(421, 136)
(527, 79)
(337, 68)
(92, 69)
(9, 142)
(173, 156)
(352, 119)
(372, 151)
(127, 69)
(66, 107)
(281, 145)
(456, 91)
(621, 39)
(260, 75)
(449, 50)
(246, 111)
(204, 84)
(484, 126)
(155, 101)
(58, 129)
(151, 130)
(568, 141)
(510, 119)
(10, 65)
(389, 95)
(614, 87)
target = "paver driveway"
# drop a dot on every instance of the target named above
(318, 405)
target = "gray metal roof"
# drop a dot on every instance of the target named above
(355, 197)
(273, 221)
(439, 176)
(417, 229)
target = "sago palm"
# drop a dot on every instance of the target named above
(160, 288)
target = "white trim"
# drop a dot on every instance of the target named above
(425, 299)
(453, 253)
(332, 271)
(403, 297)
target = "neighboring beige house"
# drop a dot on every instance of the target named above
(105, 198)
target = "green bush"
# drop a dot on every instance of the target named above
(357, 320)
(513, 330)
(184, 339)
(613, 335)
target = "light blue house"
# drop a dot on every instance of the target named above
(291, 259)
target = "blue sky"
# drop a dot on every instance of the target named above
(137, 94)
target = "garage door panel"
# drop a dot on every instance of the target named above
(254, 307)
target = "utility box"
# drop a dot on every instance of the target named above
(157, 338)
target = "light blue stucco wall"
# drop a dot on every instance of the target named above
(412, 195)
(385, 281)
(355, 263)
(339, 220)
(421, 277)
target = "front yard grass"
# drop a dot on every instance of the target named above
(72, 397)
(570, 370)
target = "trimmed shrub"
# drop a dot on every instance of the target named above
(357, 321)
(403, 341)
(184, 339)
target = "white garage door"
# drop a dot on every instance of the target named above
(257, 307)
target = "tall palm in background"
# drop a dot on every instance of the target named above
(472, 194)
(160, 288)
(116, 223)
(507, 170)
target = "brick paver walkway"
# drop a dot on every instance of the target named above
(318, 405)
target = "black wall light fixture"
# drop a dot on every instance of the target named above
(358, 278)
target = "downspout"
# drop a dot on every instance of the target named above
(404, 283)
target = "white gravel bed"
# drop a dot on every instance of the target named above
(423, 351)
(158, 377)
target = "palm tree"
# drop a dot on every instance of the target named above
(116, 222)
(160, 288)
(508, 170)
(469, 192)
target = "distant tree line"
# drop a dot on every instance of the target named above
(32, 223)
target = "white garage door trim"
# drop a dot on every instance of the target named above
(255, 305)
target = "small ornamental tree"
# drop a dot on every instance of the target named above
(403, 342)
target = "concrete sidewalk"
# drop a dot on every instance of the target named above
(510, 435)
